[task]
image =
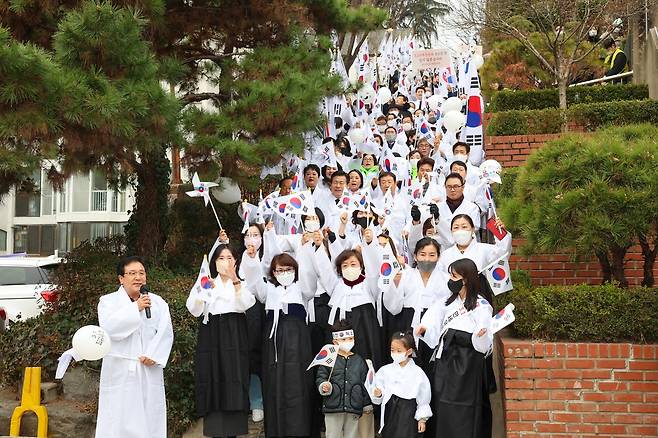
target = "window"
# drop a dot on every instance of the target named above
(17, 275)
(80, 192)
(71, 234)
(35, 239)
(47, 197)
(98, 192)
(3, 240)
(28, 202)
(62, 198)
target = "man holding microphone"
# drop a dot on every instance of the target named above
(131, 402)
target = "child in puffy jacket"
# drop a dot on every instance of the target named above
(342, 387)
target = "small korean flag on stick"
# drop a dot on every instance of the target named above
(503, 318)
(369, 384)
(498, 275)
(388, 268)
(326, 357)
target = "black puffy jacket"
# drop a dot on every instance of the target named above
(347, 391)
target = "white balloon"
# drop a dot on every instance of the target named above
(228, 191)
(434, 102)
(477, 61)
(356, 136)
(91, 342)
(454, 121)
(451, 104)
(383, 95)
(367, 94)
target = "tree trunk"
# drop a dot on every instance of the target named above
(562, 84)
(618, 255)
(606, 269)
(649, 256)
(146, 231)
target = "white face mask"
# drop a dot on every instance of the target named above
(381, 128)
(398, 357)
(351, 274)
(222, 266)
(391, 123)
(462, 237)
(312, 226)
(407, 126)
(346, 346)
(461, 157)
(253, 241)
(286, 278)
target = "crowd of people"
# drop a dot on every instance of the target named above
(307, 280)
(385, 263)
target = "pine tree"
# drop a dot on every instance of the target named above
(89, 92)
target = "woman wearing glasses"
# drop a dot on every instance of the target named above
(288, 388)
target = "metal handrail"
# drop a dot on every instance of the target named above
(604, 79)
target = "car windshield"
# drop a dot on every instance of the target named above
(47, 272)
(17, 275)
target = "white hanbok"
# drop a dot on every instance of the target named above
(131, 402)
(481, 253)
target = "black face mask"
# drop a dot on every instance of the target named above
(363, 221)
(455, 286)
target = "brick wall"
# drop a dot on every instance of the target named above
(559, 269)
(513, 150)
(580, 389)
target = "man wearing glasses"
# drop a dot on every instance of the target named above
(131, 400)
(455, 204)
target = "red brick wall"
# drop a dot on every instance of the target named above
(513, 150)
(559, 269)
(578, 389)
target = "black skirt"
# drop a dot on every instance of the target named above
(287, 386)
(222, 371)
(255, 326)
(460, 396)
(389, 322)
(320, 329)
(399, 421)
(367, 333)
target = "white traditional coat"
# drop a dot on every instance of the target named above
(131, 402)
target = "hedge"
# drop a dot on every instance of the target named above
(591, 116)
(584, 313)
(508, 100)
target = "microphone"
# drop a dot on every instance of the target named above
(145, 290)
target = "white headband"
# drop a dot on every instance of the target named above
(343, 334)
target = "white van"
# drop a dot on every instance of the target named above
(25, 285)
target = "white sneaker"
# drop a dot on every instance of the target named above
(257, 415)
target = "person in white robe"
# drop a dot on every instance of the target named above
(131, 401)
(463, 234)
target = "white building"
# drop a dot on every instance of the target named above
(41, 222)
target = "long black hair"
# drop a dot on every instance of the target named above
(469, 272)
(215, 255)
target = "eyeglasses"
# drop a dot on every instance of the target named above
(283, 270)
(135, 274)
(453, 188)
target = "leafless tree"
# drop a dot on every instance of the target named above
(564, 26)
